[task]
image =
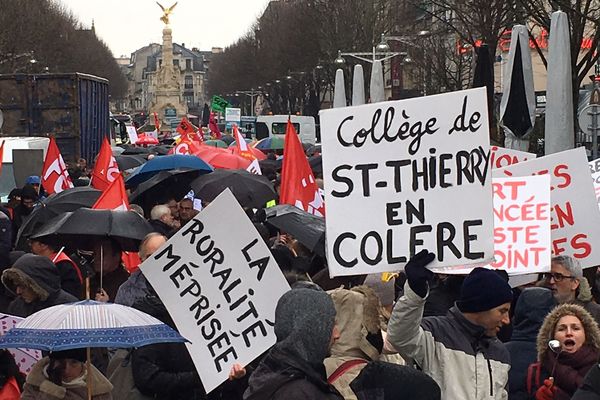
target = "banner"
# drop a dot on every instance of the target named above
(220, 284)
(575, 220)
(404, 176)
(522, 240)
(502, 157)
(595, 171)
(219, 104)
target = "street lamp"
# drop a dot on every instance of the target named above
(252, 94)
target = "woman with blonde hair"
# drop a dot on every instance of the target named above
(568, 346)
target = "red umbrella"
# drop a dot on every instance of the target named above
(205, 151)
(256, 152)
(145, 140)
(226, 160)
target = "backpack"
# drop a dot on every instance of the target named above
(119, 373)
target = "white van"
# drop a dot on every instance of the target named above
(22, 156)
(269, 125)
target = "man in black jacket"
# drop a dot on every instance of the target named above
(36, 282)
(293, 369)
(590, 390)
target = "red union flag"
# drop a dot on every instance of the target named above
(106, 169)
(115, 198)
(242, 150)
(185, 127)
(55, 177)
(298, 185)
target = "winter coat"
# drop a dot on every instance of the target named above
(590, 390)
(162, 228)
(284, 376)
(531, 309)
(110, 282)
(357, 315)
(38, 387)
(69, 278)
(586, 300)
(466, 364)
(41, 276)
(134, 289)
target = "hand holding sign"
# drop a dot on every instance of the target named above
(417, 273)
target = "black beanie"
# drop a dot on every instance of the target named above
(75, 354)
(482, 290)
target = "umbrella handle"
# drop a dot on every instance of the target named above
(88, 366)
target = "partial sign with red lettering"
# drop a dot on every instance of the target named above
(575, 220)
(595, 171)
(502, 157)
(522, 239)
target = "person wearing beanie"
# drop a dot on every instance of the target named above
(568, 284)
(293, 369)
(380, 380)
(64, 375)
(29, 198)
(36, 283)
(460, 350)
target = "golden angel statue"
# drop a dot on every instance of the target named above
(166, 12)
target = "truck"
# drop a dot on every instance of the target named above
(269, 125)
(72, 107)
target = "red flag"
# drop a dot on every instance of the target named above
(185, 127)
(106, 169)
(156, 123)
(214, 128)
(1, 156)
(55, 177)
(242, 150)
(185, 146)
(298, 186)
(115, 198)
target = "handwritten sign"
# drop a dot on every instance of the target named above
(502, 157)
(404, 176)
(132, 133)
(220, 284)
(595, 171)
(522, 240)
(575, 220)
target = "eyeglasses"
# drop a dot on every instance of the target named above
(557, 276)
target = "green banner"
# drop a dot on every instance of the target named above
(218, 103)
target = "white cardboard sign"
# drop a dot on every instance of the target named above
(522, 240)
(132, 133)
(595, 171)
(220, 284)
(502, 157)
(404, 176)
(575, 220)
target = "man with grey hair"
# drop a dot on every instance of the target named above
(162, 220)
(568, 284)
(136, 286)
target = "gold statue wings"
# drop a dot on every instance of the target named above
(166, 12)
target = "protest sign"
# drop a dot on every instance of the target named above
(404, 176)
(522, 240)
(575, 220)
(220, 284)
(25, 358)
(502, 157)
(132, 133)
(595, 171)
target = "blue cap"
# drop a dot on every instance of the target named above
(32, 180)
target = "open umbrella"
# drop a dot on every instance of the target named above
(234, 143)
(88, 324)
(161, 150)
(79, 228)
(67, 200)
(116, 150)
(316, 164)
(216, 143)
(275, 142)
(130, 161)
(226, 161)
(163, 163)
(228, 139)
(145, 140)
(258, 154)
(162, 186)
(307, 228)
(250, 190)
(135, 150)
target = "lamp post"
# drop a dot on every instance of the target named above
(252, 94)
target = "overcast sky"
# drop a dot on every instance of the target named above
(127, 25)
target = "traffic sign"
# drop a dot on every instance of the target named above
(586, 117)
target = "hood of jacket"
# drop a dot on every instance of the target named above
(584, 292)
(36, 377)
(35, 272)
(592, 332)
(532, 307)
(357, 315)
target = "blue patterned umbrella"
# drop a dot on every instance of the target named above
(88, 323)
(165, 163)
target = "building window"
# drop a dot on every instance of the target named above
(189, 82)
(176, 62)
(188, 64)
(159, 63)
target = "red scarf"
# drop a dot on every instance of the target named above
(570, 369)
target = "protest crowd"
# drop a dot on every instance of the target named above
(382, 270)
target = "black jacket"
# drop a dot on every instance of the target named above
(41, 276)
(591, 386)
(531, 309)
(284, 376)
(161, 227)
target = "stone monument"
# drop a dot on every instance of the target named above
(167, 101)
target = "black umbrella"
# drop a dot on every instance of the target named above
(129, 161)
(161, 187)
(67, 200)
(307, 228)
(316, 164)
(250, 190)
(228, 139)
(269, 163)
(161, 150)
(136, 150)
(81, 228)
(484, 76)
